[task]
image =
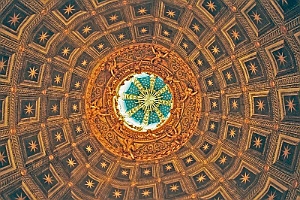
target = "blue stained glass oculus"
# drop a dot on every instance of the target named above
(144, 101)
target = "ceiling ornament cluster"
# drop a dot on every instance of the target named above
(144, 101)
(135, 142)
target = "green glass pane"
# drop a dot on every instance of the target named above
(145, 81)
(153, 118)
(133, 90)
(138, 116)
(130, 104)
(159, 83)
(166, 95)
(164, 109)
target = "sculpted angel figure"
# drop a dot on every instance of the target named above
(137, 67)
(173, 134)
(172, 131)
(158, 55)
(98, 109)
(112, 66)
(128, 146)
(188, 93)
(170, 79)
(118, 126)
(151, 134)
(177, 111)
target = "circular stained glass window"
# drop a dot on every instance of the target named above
(144, 101)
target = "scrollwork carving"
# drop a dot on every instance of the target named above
(102, 104)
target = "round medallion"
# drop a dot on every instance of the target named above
(143, 102)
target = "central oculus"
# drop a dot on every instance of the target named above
(144, 101)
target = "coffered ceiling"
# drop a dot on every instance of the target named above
(244, 54)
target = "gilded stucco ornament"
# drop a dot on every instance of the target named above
(169, 94)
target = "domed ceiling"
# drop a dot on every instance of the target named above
(214, 86)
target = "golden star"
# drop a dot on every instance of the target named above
(43, 36)
(124, 172)
(57, 79)
(212, 126)
(2, 158)
(2, 64)
(113, 18)
(75, 107)
(201, 178)
(174, 188)
(65, 51)
(33, 146)
(146, 193)
(271, 196)
(171, 13)
(77, 85)
(58, 136)
(168, 167)
(257, 142)
(214, 104)
(103, 164)
(89, 183)
(235, 34)
(117, 193)
(71, 162)
(69, 9)
(78, 129)
(223, 160)
(290, 104)
(256, 17)
(228, 76)
(210, 82)
(189, 160)
(232, 133)
(252, 68)
(32, 72)
(199, 62)
(142, 11)
(121, 36)
(281, 58)
(245, 178)
(211, 6)
(144, 30)
(48, 179)
(146, 172)
(89, 149)
(14, 19)
(234, 104)
(185, 45)
(84, 62)
(284, 2)
(54, 108)
(166, 33)
(205, 146)
(286, 152)
(260, 105)
(215, 50)
(196, 27)
(20, 197)
(100, 46)
(86, 29)
(28, 109)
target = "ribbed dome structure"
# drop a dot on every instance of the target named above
(228, 120)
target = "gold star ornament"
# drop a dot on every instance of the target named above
(142, 11)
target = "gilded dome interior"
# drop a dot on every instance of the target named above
(219, 78)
